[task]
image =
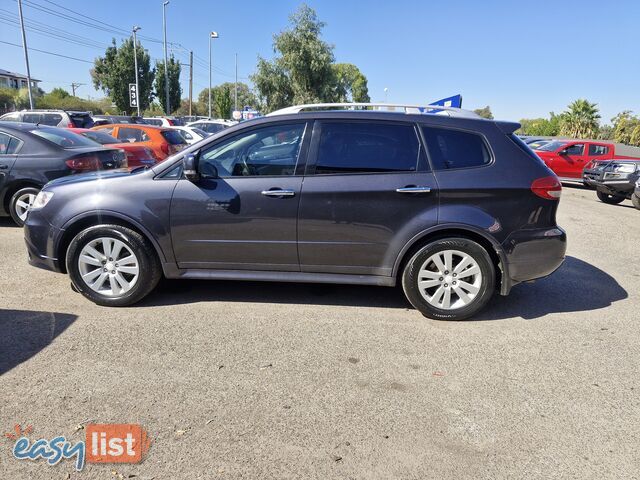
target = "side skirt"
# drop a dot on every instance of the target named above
(171, 271)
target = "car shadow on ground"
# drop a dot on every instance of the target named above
(577, 286)
(590, 289)
(7, 222)
(23, 334)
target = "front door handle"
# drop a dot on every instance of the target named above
(278, 193)
(413, 190)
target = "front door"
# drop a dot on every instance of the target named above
(570, 161)
(366, 186)
(242, 214)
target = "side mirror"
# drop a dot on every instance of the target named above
(190, 168)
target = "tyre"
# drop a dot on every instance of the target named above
(636, 201)
(610, 199)
(449, 279)
(21, 202)
(112, 265)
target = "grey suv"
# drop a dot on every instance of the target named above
(451, 207)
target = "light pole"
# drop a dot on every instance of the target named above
(26, 54)
(166, 65)
(386, 90)
(211, 36)
(135, 61)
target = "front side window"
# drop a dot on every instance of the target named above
(596, 150)
(264, 151)
(576, 149)
(361, 147)
(450, 149)
(8, 144)
(32, 118)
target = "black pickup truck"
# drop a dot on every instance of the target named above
(615, 180)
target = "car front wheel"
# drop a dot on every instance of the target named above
(610, 199)
(20, 204)
(112, 265)
(449, 279)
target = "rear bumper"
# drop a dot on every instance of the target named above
(41, 237)
(533, 254)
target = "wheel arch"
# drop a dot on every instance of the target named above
(80, 223)
(493, 248)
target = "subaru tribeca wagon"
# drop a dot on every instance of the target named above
(452, 207)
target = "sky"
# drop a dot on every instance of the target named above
(524, 59)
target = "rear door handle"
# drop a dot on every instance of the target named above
(278, 193)
(4, 167)
(413, 190)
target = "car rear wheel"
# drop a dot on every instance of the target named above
(449, 279)
(112, 265)
(21, 202)
(610, 199)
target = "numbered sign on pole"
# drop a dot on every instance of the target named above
(133, 95)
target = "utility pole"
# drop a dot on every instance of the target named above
(235, 88)
(166, 64)
(190, 81)
(74, 86)
(135, 61)
(26, 54)
(212, 35)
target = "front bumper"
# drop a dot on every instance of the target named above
(533, 254)
(604, 182)
(41, 237)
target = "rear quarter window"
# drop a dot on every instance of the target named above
(51, 119)
(453, 149)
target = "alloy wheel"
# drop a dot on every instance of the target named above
(23, 205)
(108, 266)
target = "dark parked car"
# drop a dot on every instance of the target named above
(32, 155)
(635, 198)
(614, 180)
(450, 207)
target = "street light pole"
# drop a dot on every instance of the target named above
(235, 88)
(135, 61)
(166, 64)
(26, 54)
(212, 35)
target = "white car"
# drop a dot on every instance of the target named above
(191, 134)
(210, 126)
(162, 121)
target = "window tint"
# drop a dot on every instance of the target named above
(63, 137)
(450, 149)
(81, 120)
(595, 150)
(132, 135)
(11, 117)
(173, 137)
(210, 127)
(100, 136)
(32, 117)
(366, 147)
(263, 151)
(8, 144)
(51, 119)
(576, 149)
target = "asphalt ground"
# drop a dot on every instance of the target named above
(261, 380)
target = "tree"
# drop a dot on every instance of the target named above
(581, 120)
(175, 90)
(541, 127)
(116, 70)
(624, 125)
(245, 98)
(635, 137)
(59, 93)
(351, 84)
(303, 70)
(223, 101)
(484, 112)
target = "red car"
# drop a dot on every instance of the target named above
(137, 155)
(568, 158)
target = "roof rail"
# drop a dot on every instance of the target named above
(408, 108)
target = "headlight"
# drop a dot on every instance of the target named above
(624, 168)
(41, 200)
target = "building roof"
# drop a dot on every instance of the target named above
(7, 73)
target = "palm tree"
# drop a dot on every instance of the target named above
(581, 120)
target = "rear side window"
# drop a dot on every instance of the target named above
(367, 148)
(595, 150)
(51, 119)
(449, 149)
(8, 144)
(173, 137)
(32, 118)
(132, 135)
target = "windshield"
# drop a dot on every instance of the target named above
(101, 137)
(63, 138)
(552, 146)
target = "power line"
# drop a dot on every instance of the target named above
(46, 52)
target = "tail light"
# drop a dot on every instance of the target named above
(84, 163)
(548, 188)
(71, 124)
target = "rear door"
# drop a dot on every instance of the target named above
(366, 186)
(9, 146)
